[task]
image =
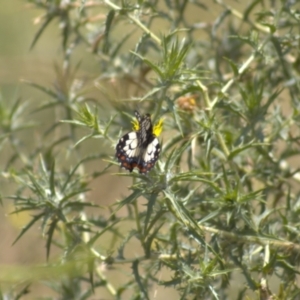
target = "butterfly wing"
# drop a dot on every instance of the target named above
(128, 150)
(131, 154)
(149, 156)
(139, 148)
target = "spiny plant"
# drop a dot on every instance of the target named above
(223, 199)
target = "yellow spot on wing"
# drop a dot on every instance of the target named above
(136, 125)
(158, 127)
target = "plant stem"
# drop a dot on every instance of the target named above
(135, 20)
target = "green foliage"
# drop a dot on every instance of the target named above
(222, 201)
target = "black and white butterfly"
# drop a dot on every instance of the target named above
(140, 148)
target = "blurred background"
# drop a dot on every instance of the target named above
(18, 63)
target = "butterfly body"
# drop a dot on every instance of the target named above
(139, 148)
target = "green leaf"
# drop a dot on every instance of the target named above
(98, 234)
(154, 67)
(108, 23)
(47, 91)
(70, 195)
(36, 187)
(52, 181)
(150, 205)
(150, 238)
(155, 219)
(240, 149)
(138, 279)
(52, 227)
(249, 9)
(175, 156)
(177, 120)
(128, 200)
(47, 21)
(30, 224)
(233, 66)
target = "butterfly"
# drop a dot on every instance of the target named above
(140, 148)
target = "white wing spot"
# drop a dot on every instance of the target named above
(134, 144)
(132, 135)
